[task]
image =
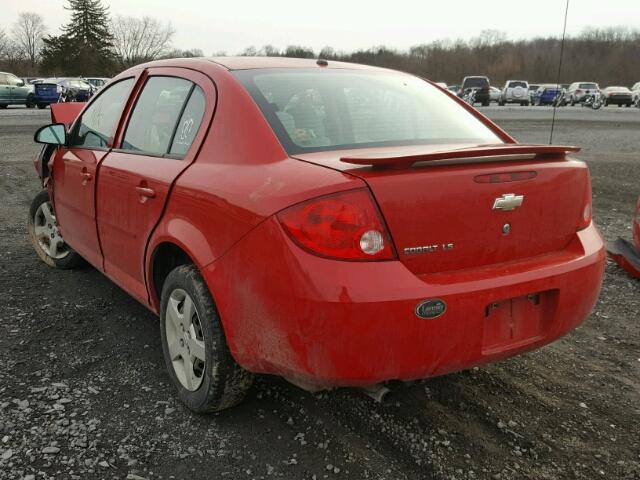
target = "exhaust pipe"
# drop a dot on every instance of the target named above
(377, 392)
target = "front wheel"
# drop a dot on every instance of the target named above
(42, 106)
(195, 350)
(45, 236)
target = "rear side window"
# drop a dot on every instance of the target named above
(189, 124)
(517, 84)
(99, 119)
(3, 79)
(587, 85)
(154, 119)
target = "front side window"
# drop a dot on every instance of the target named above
(329, 110)
(99, 119)
(154, 118)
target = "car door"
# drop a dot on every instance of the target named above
(18, 91)
(4, 89)
(162, 135)
(75, 168)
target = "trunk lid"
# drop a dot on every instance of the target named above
(452, 207)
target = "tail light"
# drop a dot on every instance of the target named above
(578, 91)
(586, 214)
(344, 226)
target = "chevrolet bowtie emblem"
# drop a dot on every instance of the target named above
(507, 202)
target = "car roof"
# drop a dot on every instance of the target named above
(250, 63)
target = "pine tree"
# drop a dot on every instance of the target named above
(85, 46)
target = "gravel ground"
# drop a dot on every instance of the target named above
(84, 393)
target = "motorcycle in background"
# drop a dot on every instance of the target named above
(593, 100)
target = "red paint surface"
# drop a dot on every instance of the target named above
(324, 321)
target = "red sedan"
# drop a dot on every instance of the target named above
(335, 224)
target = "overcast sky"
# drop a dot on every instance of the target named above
(347, 25)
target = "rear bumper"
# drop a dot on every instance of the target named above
(328, 323)
(625, 255)
(41, 99)
(619, 101)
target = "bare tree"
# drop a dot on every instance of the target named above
(138, 40)
(4, 44)
(28, 32)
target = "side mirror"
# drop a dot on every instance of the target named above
(20, 83)
(55, 134)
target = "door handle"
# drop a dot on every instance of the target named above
(86, 176)
(146, 192)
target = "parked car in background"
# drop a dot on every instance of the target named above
(71, 89)
(454, 88)
(480, 85)
(616, 95)
(578, 90)
(494, 94)
(13, 90)
(442, 85)
(43, 93)
(627, 254)
(331, 223)
(96, 82)
(515, 91)
(635, 94)
(532, 91)
(546, 94)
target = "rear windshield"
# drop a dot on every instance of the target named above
(588, 85)
(313, 110)
(473, 82)
(517, 84)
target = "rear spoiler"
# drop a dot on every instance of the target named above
(66, 112)
(497, 152)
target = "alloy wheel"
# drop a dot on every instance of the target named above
(47, 232)
(185, 339)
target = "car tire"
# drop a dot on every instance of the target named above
(3, 105)
(501, 103)
(572, 102)
(210, 380)
(486, 103)
(42, 106)
(43, 228)
(30, 103)
(525, 104)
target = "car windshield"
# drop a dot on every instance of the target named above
(475, 82)
(334, 109)
(588, 85)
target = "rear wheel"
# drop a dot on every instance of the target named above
(45, 235)
(485, 103)
(42, 106)
(198, 360)
(30, 103)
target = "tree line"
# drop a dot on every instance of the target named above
(96, 43)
